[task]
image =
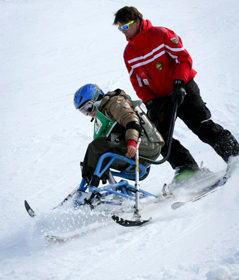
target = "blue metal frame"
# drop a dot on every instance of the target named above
(123, 188)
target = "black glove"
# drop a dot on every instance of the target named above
(178, 92)
(153, 112)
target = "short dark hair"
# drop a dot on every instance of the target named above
(126, 14)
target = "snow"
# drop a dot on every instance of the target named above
(48, 49)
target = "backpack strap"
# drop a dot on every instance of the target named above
(117, 92)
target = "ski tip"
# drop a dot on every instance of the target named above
(29, 210)
(176, 205)
(129, 223)
(56, 239)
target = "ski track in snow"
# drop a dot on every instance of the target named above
(48, 50)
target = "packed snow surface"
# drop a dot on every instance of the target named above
(48, 49)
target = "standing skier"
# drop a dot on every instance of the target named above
(160, 71)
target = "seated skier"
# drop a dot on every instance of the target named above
(119, 122)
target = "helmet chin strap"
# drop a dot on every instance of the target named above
(91, 119)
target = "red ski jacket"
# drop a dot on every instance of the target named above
(154, 58)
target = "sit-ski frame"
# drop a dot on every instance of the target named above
(123, 188)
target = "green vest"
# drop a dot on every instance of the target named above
(102, 126)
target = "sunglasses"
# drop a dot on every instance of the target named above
(87, 108)
(125, 26)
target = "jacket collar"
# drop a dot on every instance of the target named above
(138, 38)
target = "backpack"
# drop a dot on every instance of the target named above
(149, 131)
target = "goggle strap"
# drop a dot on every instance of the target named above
(96, 94)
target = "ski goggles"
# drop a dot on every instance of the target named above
(125, 26)
(87, 108)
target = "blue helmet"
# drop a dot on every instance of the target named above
(86, 93)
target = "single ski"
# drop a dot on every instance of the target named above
(32, 213)
(29, 210)
(67, 238)
(63, 239)
(205, 192)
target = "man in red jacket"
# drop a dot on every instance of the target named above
(160, 70)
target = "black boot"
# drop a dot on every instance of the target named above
(226, 145)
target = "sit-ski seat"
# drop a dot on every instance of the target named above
(118, 166)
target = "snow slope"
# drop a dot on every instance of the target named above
(48, 49)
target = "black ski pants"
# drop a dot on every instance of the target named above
(194, 113)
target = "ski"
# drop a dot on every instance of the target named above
(129, 223)
(205, 192)
(63, 239)
(67, 238)
(29, 210)
(32, 213)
